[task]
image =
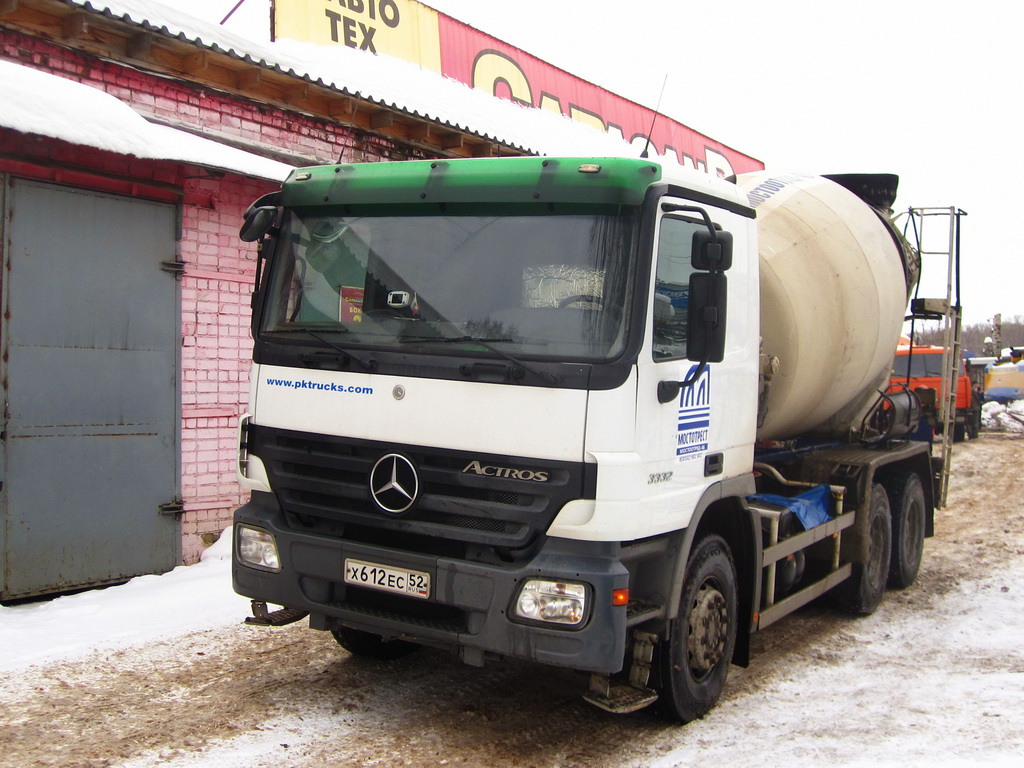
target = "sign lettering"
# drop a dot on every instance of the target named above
(409, 30)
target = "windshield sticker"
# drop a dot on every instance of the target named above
(351, 304)
(694, 417)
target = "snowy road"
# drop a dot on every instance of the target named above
(161, 673)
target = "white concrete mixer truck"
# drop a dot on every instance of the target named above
(591, 412)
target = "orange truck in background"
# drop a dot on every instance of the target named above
(920, 368)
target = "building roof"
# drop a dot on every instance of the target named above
(42, 104)
(381, 81)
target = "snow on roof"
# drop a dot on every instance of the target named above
(39, 103)
(47, 105)
(384, 80)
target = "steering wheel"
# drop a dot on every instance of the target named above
(580, 298)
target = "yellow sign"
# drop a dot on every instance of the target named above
(403, 29)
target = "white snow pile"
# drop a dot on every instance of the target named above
(997, 417)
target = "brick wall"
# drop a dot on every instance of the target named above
(320, 140)
(215, 351)
(219, 269)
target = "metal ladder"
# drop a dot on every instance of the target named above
(948, 311)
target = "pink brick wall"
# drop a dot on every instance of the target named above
(219, 269)
(215, 350)
(321, 140)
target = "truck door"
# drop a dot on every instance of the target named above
(684, 443)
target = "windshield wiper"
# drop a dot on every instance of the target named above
(488, 344)
(452, 339)
(366, 365)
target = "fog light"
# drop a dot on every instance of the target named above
(258, 549)
(552, 601)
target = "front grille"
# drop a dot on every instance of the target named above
(403, 609)
(318, 477)
(471, 523)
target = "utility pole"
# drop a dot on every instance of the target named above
(997, 335)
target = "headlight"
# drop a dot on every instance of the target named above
(258, 549)
(552, 601)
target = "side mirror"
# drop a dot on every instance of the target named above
(706, 317)
(258, 222)
(711, 250)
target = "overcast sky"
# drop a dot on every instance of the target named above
(927, 89)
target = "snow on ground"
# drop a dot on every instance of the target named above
(999, 417)
(187, 599)
(914, 671)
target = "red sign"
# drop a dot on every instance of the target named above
(471, 57)
(415, 32)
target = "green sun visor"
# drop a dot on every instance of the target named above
(420, 186)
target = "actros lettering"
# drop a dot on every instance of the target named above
(513, 474)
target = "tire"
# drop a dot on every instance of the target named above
(909, 515)
(863, 592)
(371, 646)
(695, 656)
(958, 433)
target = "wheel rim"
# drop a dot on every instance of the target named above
(709, 626)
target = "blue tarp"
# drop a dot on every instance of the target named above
(810, 507)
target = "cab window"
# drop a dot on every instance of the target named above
(671, 288)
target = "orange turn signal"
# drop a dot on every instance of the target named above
(620, 597)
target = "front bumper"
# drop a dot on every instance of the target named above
(469, 604)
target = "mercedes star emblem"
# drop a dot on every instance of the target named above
(394, 484)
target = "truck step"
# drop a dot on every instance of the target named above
(622, 698)
(263, 618)
(638, 612)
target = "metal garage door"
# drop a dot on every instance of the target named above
(89, 377)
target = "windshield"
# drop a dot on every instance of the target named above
(530, 286)
(922, 364)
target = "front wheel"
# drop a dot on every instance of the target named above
(694, 658)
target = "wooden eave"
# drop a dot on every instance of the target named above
(153, 50)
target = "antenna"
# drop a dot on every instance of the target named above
(237, 6)
(657, 112)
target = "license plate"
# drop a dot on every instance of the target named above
(387, 578)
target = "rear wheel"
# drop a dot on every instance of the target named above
(369, 645)
(863, 592)
(694, 659)
(907, 504)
